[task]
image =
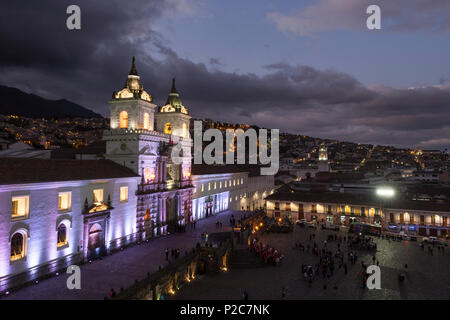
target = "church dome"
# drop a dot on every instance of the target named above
(173, 103)
(133, 88)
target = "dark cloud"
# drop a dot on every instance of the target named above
(43, 57)
(215, 62)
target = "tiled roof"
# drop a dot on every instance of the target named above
(201, 169)
(21, 170)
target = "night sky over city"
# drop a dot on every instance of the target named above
(310, 67)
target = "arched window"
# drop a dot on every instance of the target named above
(123, 120)
(146, 121)
(17, 246)
(168, 128)
(62, 235)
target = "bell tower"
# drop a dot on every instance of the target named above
(323, 159)
(131, 140)
(173, 118)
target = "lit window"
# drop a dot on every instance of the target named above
(209, 186)
(220, 185)
(123, 123)
(123, 194)
(149, 175)
(234, 182)
(195, 189)
(203, 187)
(215, 185)
(168, 128)
(17, 246)
(242, 181)
(98, 196)
(185, 131)
(146, 121)
(225, 183)
(62, 235)
(64, 200)
(20, 206)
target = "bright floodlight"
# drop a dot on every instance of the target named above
(385, 192)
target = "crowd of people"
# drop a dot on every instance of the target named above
(267, 253)
(332, 261)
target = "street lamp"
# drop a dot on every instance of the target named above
(384, 193)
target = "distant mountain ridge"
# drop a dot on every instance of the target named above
(17, 102)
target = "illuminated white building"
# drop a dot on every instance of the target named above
(58, 212)
(219, 188)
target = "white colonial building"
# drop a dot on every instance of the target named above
(54, 213)
(232, 187)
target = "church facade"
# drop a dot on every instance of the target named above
(143, 137)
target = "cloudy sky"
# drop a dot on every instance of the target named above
(304, 66)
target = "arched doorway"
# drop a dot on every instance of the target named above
(96, 240)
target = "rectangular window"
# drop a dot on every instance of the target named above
(234, 182)
(411, 219)
(124, 194)
(20, 206)
(402, 218)
(220, 184)
(225, 183)
(203, 187)
(209, 186)
(98, 196)
(242, 181)
(64, 200)
(422, 219)
(215, 185)
(391, 217)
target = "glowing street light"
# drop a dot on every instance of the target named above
(385, 192)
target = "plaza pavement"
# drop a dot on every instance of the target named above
(122, 268)
(428, 276)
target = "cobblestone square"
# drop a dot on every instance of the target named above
(428, 276)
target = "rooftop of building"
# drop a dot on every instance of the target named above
(203, 169)
(21, 170)
(369, 199)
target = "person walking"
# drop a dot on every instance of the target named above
(335, 288)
